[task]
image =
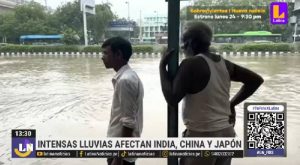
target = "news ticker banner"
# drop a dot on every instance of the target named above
(137, 153)
(264, 136)
(26, 145)
(276, 12)
(265, 130)
(226, 13)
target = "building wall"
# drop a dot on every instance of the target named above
(154, 26)
(297, 5)
(6, 6)
(4, 9)
(297, 11)
(16, 1)
(9, 5)
(296, 24)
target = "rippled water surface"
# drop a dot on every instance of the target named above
(37, 92)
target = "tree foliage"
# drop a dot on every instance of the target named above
(69, 16)
(27, 19)
(33, 18)
(7, 26)
(71, 37)
(99, 22)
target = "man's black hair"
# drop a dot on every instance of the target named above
(119, 43)
(200, 35)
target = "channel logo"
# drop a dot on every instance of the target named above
(279, 13)
(23, 148)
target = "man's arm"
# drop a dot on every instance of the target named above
(117, 161)
(251, 82)
(127, 92)
(174, 90)
(166, 83)
(127, 97)
(127, 132)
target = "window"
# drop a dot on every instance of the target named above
(152, 34)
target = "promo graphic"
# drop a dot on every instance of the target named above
(265, 130)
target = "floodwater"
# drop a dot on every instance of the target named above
(71, 97)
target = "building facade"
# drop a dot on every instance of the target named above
(296, 20)
(297, 11)
(154, 29)
(6, 6)
(9, 5)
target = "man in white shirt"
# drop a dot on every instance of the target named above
(126, 118)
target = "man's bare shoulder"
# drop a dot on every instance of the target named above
(195, 66)
(197, 73)
(195, 61)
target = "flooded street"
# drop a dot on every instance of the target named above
(71, 97)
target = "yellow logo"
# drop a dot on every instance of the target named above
(24, 152)
(165, 154)
(80, 153)
(276, 12)
(21, 154)
(40, 153)
(206, 154)
(123, 154)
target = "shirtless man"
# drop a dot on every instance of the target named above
(203, 82)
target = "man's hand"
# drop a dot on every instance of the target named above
(127, 132)
(166, 57)
(232, 117)
(117, 161)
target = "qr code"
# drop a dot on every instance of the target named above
(265, 131)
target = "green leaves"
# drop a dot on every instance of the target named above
(36, 49)
(33, 18)
(98, 23)
(276, 47)
(71, 37)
